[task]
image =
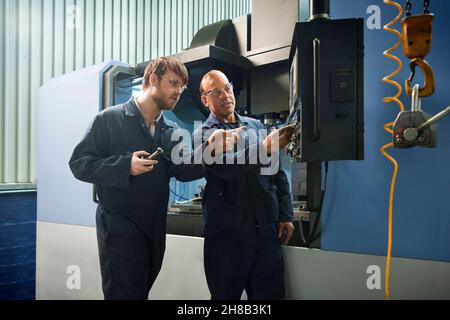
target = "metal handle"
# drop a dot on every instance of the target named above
(316, 75)
(434, 119)
(416, 104)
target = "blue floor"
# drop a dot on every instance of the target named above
(17, 246)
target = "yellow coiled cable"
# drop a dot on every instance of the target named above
(388, 126)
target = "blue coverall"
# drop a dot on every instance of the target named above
(241, 210)
(132, 210)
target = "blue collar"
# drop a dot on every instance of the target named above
(213, 121)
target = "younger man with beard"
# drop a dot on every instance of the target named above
(133, 190)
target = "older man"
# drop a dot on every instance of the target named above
(247, 214)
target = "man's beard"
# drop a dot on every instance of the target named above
(166, 103)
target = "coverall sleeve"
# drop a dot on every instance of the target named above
(186, 172)
(187, 169)
(284, 196)
(230, 171)
(90, 163)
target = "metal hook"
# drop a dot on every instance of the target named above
(412, 66)
(429, 84)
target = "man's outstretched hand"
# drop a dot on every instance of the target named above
(224, 140)
(281, 136)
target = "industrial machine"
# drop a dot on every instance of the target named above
(307, 71)
(264, 66)
(280, 75)
(326, 73)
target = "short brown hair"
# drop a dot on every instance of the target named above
(159, 67)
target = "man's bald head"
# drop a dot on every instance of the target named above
(211, 75)
(216, 94)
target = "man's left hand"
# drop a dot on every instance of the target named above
(224, 140)
(281, 136)
(285, 230)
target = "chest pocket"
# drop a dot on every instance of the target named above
(127, 138)
(163, 139)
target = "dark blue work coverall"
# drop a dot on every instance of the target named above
(241, 209)
(132, 210)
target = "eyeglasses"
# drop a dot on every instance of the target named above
(216, 91)
(175, 84)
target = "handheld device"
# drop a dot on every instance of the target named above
(156, 153)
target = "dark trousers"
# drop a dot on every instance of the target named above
(129, 259)
(254, 264)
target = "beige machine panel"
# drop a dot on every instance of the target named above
(268, 13)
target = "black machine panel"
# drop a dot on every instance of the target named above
(326, 90)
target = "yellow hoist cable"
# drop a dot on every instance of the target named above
(388, 128)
